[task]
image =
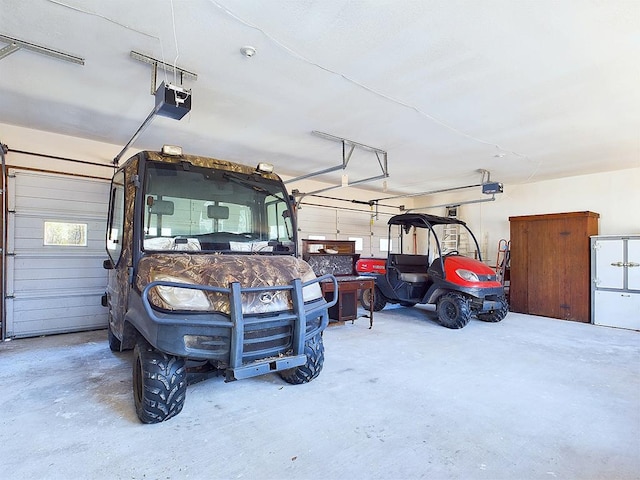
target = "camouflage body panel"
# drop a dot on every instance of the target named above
(118, 286)
(207, 162)
(221, 270)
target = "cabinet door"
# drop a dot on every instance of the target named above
(609, 269)
(518, 287)
(617, 309)
(633, 259)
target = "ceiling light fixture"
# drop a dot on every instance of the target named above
(15, 45)
(248, 51)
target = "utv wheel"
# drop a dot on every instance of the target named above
(454, 310)
(379, 300)
(159, 383)
(114, 343)
(496, 315)
(314, 349)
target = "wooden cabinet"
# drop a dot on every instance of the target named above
(338, 257)
(348, 288)
(550, 271)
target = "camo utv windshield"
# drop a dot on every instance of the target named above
(197, 208)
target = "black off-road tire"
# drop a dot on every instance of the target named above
(159, 383)
(114, 344)
(379, 300)
(454, 310)
(314, 350)
(496, 315)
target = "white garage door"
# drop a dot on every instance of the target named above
(328, 223)
(55, 250)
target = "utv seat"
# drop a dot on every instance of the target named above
(411, 268)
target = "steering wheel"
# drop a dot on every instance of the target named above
(452, 252)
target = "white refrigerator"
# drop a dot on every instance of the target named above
(615, 281)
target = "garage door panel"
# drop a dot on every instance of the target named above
(36, 315)
(55, 288)
(35, 222)
(68, 205)
(353, 221)
(58, 285)
(34, 184)
(54, 263)
(36, 245)
(317, 221)
(81, 321)
(65, 300)
(39, 196)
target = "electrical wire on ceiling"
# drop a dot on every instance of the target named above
(370, 89)
(110, 20)
(304, 59)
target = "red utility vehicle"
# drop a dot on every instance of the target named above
(459, 286)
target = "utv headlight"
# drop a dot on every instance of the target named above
(181, 298)
(313, 291)
(467, 275)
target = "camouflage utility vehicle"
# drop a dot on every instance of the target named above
(203, 273)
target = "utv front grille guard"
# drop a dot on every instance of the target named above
(237, 322)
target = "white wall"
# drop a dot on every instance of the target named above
(614, 195)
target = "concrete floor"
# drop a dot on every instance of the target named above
(528, 398)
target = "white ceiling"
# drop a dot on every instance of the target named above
(527, 89)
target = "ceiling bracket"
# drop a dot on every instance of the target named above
(16, 44)
(348, 146)
(181, 73)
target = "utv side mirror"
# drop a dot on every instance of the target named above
(107, 264)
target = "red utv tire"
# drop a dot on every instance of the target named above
(454, 310)
(496, 315)
(379, 300)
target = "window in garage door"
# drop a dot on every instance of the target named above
(55, 249)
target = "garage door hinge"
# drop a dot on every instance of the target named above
(9, 296)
